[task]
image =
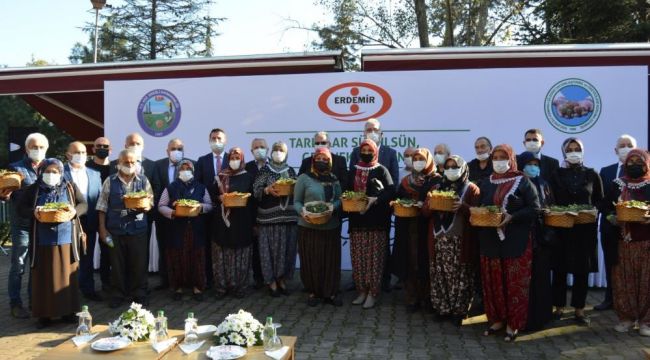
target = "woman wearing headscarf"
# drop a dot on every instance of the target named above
(540, 308)
(231, 255)
(575, 252)
(276, 222)
(55, 247)
(410, 259)
(319, 245)
(369, 229)
(631, 274)
(506, 251)
(453, 251)
(185, 254)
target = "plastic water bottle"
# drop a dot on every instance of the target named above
(109, 241)
(191, 329)
(268, 333)
(160, 328)
(85, 321)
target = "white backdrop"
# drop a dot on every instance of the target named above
(415, 107)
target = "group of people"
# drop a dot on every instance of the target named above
(518, 270)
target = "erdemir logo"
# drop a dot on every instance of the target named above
(355, 101)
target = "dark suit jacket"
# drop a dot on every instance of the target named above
(547, 166)
(339, 168)
(387, 157)
(608, 231)
(147, 167)
(90, 221)
(160, 178)
(204, 170)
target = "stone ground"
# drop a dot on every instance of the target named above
(348, 332)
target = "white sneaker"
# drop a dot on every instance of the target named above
(644, 330)
(359, 300)
(624, 326)
(369, 303)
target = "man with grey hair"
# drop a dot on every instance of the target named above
(608, 232)
(387, 155)
(441, 152)
(339, 169)
(259, 150)
(36, 146)
(126, 229)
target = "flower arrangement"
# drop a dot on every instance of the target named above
(136, 323)
(240, 329)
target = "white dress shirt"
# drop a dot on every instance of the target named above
(80, 178)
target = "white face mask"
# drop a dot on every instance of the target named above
(483, 157)
(408, 162)
(419, 165)
(500, 166)
(374, 136)
(234, 164)
(452, 174)
(51, 179)
(127, 170)
(37, 155)
(185, 175)
(622, 153)
(439, 158)
(319, 147)
(278, 156)
(259, 153)
(175, 156)
(217, 146)
(574, 157)
(78, 159)
(137, 150)
(533, 146)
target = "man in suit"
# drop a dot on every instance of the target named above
(534, 141)
(339, 167)
(164, 173)
(259, 150)
(388, 158)
(36, 146)
(207, 167)
(608, 232)
(89, 182)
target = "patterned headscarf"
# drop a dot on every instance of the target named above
(363, 168)
(512, 161)
(326, 178)
(646, 159)
(225, 174)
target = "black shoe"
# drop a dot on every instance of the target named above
(457, 320)
(115, 303)
(177, 296)
(605, 305)
(511, 337)
(93, 296)
(284, 291)
(258, 284)
(198, 297)
(274, 292)
(19, 312)
(312, 301)
(334, 301)
(43, 323)
(582, 320)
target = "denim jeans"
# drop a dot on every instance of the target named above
(19, 263)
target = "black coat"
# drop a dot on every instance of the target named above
(387, 157)
(476, 174)
(240, 232)
(339, 169)
(609, 233)
(380, 185)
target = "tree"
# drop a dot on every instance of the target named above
(151, 29)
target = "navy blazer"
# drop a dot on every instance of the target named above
(387, 157)
(90, 220)
(607, 175)
(204, 170)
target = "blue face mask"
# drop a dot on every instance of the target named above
(531, 171)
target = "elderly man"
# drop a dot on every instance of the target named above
(408, 164)
(207, 168)
(89, 183)
(127, 229)
(441, 152)
(165, 171)
(36, 146)
(533, 142)
(339, 169)
(480, 168)
(608, 232)
(387, 156)
(259, 150)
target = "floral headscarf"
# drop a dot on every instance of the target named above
(363, 168)
(225, 174)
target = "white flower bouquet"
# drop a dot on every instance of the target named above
(134, 324)
(240, 329)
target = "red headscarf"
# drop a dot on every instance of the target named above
(646, 159)
(318, 151)
(225, 174)
(363, 168)
(504, 187)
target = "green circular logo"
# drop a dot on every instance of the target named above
(572, 106)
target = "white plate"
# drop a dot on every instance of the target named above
(206, 329)
(110, 343)
(225, 352)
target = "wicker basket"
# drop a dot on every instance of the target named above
(284, 189)
(441, 203)
(484, 218)
(232, 200)
(405, 211)
(630, 214)
(354, 205)
(188, 210)
(137, 202)
(586, 217)
(559, 219)
(10, 181)
(54, 216)
(317, 218)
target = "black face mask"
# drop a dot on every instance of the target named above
(101, 153)
(321, 166)
(366, 158)
(634, 171)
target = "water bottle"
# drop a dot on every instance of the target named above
(85, 321)
(160, 328)
(109, 241)
(191, 329)
(268, 333)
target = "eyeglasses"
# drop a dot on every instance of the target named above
(320, 142)
(102, 146)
